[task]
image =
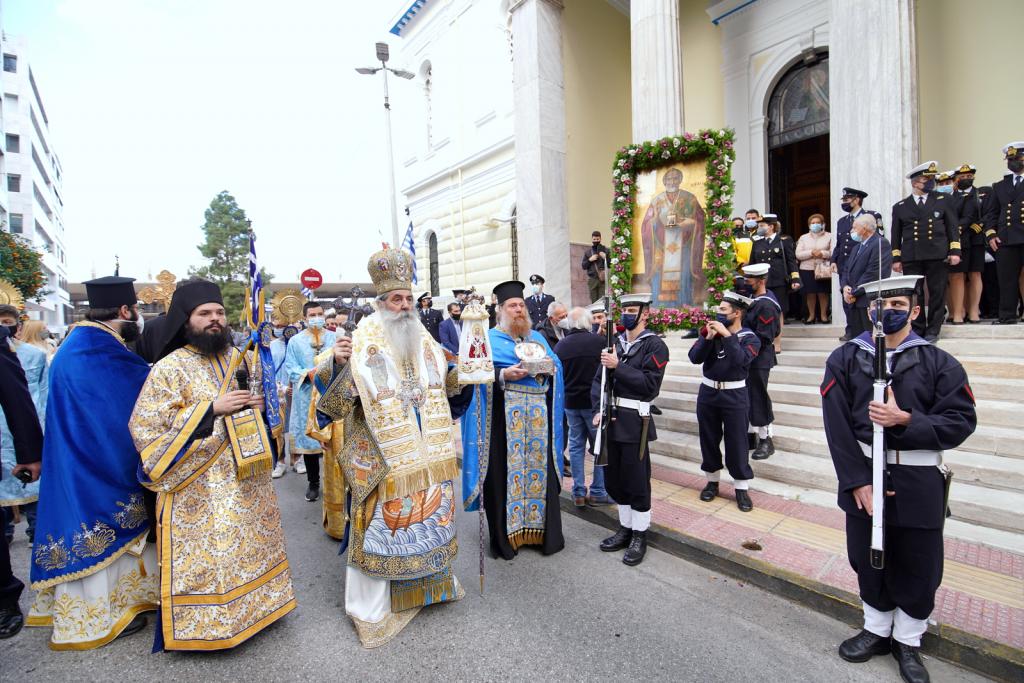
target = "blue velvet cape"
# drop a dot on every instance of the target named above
(90, 502)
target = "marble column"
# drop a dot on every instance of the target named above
(539, 96)
(656, 63)
(873, 132)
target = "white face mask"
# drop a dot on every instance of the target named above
(564, 323)
(141, 322)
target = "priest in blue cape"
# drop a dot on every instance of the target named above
(512, 435)
(92, 568)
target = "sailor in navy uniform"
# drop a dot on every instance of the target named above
(972, 246)
(1003, 218)
(430, 317)
(851, 202)
(929, 409)
(763, 318)
(637, 368)
(726, 349)
(926, 241)
(537, 302)
(779, 252)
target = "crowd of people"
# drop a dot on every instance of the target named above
(152, 489)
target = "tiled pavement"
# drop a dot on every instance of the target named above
(982, 590)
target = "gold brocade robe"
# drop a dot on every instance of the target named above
(224, 575)
(334, 486)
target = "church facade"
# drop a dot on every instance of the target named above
(508, 158)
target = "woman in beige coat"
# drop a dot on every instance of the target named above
(814, 248)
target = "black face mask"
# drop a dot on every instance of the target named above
(456, 316)
(12, 330)
(929, 185)
(846, 206)
(1015, 165)
(965, 183)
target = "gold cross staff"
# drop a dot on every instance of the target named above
(162, 292)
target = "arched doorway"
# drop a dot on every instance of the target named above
(798, 152)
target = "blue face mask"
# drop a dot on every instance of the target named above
(630, 320)
(595, 328)
(892, 320)
(816, 227)
(723, 318)
(945, 189)
(278, 332)
(750, 224)
(856, 236)
(316, 323)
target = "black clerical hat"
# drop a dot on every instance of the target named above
(111, 292)
(511, 289)
(190, 295)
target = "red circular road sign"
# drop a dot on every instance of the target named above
(311, 278)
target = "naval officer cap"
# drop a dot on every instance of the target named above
(966, 168)
(737, 300)
(769, 218)
(536, 279)
(901, 285)
(927, 168)
(756, 270)
(642, 299)
(111, 291)
(1013, 149)
(424, 295)
(943, 176)
(854, 192)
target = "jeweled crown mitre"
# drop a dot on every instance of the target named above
(390, 269)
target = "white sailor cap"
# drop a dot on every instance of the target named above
(737, 299)
(596, 307)
(769, 218)
(756, 270)
(635, 299)
(1013, 149)
(927, 168)
(901, 285)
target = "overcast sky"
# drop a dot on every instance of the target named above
(155, 106)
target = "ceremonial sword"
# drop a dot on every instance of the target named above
(878, 433)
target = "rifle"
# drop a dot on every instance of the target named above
(881, 373)
(601, 437)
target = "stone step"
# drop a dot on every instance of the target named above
(985, 388)
(996, 413)
(992, 456)
(977, 505)
(955, 528)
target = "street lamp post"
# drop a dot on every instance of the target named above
(382, 56)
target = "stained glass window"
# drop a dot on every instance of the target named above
(798, 108)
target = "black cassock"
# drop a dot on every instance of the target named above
(931, 385)
(495, 484)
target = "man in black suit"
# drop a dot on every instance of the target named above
(537, 302)
(28, 450)
(1003, 218)
(852, 203)
(430, 318)
(552, 327)
(594, 260)
(926, 241)
(861, 268)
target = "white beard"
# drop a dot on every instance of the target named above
(402, 331)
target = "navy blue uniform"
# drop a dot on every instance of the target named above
(967, 205)
(779, 253)
(1003, 216)
(537, 307)
(638, 377)
(724, 411)
(764, 320)
(431, 320)
(933, 387)
(28, 447)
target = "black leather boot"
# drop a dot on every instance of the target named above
(11, 621)
(709, 492)
(909, 658)
(636, 550)
(765, 448)
(743, 501)
(863, 647)
(618, 541)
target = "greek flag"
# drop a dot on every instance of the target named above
(256, 303)
(410, 246)
(308, 293)
(256, 314)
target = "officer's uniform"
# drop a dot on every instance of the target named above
(967, 204)
(1003, 217)
(723, 403)
(431, 318)
(925, 232)
(763, 319)
(537, 304)
(636, 382)
(28, 448)
(930, 384)
(845, 246)
(779, 253)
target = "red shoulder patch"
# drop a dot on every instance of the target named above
(766, 321)
(826, 388)
(753, 351)
(660, 364)
(967, 388)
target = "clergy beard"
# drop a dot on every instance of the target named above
(129, 330)
(517, 326)
(402, 331)
(212, 341)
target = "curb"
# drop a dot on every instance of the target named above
(987, 657)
